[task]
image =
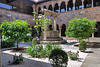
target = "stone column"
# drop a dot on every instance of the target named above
(66, 7)
(52, 8)
(59, 32)
(59, 8)
(92, 35)
(74, 4)
(45, 33)
(55, 23)
(0, 51)
(92, 4)
(82, 4)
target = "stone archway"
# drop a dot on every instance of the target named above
(50, 27)
(78, 4)
(50, 7)
(56, 8)
(63, 7)
(63, 29)
(87, 3)
(97, 34)
(96, 3)
(70, 5)
(39, 9)
(57, 27)
(44, 7)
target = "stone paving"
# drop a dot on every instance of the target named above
(34, 62)
(93, 59)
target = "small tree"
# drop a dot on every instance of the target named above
(41, 21)
(16, 31)
(80, 28)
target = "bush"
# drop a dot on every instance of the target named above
(58, 58)
(5, 44)
(34, 41)
(72, 55)
(39, 51)
(82, 45)
(16, 59)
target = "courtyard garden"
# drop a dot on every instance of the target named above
(17, 53)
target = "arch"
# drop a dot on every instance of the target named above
(39, 9)
(44, 7)
(50, 27)
(87, 3)
(97, 34)
(70, 5)
(57, 27)
(50, 7)
(56, 8)
(96, 3)
(30, 11)
(63, 7)
(78, 4)
(63, 29)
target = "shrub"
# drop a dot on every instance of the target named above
(39, 51)
(30, 50)
(72, 55)
(5, 44)
(82, 45)
(49, 47)
(34, 41)
(17, 59)
(58, 58)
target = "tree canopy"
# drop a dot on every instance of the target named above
(17, 30)
(80, 28)
(41, 21)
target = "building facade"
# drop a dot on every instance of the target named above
(70, 9)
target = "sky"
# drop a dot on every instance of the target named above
(5, 6)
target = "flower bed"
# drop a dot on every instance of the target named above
(39, 51)
(73, 55)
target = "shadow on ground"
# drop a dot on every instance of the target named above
(26, 62)
(96, 45)
(70, 43)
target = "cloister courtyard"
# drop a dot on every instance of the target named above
(49, 33)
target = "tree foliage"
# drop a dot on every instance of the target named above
(15, 31)
(41, 21)
(80, 28)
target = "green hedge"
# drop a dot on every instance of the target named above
(5, 44)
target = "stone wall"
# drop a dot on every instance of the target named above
(12, 15)
(90, 13)
(22, 6)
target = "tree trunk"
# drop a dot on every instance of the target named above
(17, 44)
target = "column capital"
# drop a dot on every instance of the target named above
(74, 1)
(82, 0)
